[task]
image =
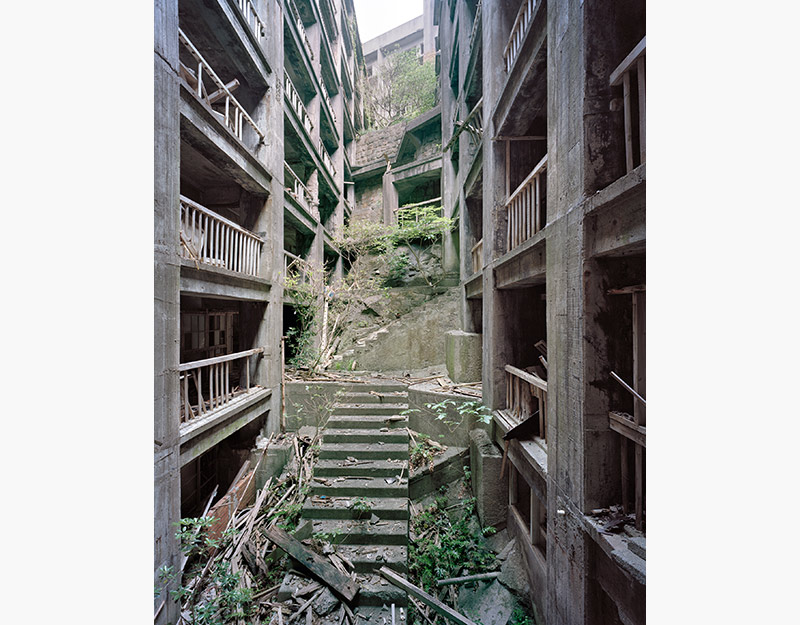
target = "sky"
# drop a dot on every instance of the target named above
(375, 17)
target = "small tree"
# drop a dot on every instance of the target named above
(419, 228)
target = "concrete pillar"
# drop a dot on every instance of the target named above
(166, 309)
(391, 200)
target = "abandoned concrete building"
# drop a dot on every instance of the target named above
(535, 151)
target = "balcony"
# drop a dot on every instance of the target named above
(477, 257)
(522, 388)
(526, 206)
(326, 159)
(631, 75)
(296, 104)
(210, 385)
(295, 18)
(211, 239)
(224, 106)
(296, 270)
(327, 99)
(253, 21)
(295, 187)
(518, 32)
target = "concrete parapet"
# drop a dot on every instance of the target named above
(490, 491)
(463, 355)
(453, 429)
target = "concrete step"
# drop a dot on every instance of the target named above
(360, 487)
(368, 559)
(365, 435)
(323, 507)
(363, 451)
(374, 468)
(369, 409)
(377, 386)
(378, 592)
(374, 397)
(364, 422)
(349, 532)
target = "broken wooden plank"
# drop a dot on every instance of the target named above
(467, 578)
(628, 387)
(439, 607)
(315, 563)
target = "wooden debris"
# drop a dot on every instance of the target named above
(315, 563)
(439, 607)
(467, 578)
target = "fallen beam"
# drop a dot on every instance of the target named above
(315, 563)
(438, 607)
(467, 578)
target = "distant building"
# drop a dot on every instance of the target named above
(419, 34)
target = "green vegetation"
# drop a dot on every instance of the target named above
(444, 547)
(325, 307)
(401, 88)
(473, 410)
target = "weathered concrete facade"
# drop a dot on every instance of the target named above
(543, 113)
(256, 111)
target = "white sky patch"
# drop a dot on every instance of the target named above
(375, 17)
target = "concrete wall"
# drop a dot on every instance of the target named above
(166, 487)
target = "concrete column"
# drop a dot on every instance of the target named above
(391, 199)
(166, 309)
(271, 220)
(494, 216)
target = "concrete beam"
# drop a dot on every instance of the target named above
(208, 281)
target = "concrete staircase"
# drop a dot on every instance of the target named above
(359, 496)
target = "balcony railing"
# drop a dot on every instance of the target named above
(524, 18)
(295, 269)
(296, 103)
(526, 206)
(232, 114)
(476, 23)
(300, 28)
(253, 20)
(211, 239)
(211, 384)
(296, 187)
(631, 74)
(477, 256)
(326, 159)
(327, 99)
(526, 394)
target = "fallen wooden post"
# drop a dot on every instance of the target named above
(315, 563)
(628, 387)
(439, 607)
(467, 578)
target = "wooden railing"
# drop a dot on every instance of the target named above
(300, 28)
(477, 256)
(476, 22)
(526, 206)
(211, 239)
(233, 113)
(522, 388)
(327, 99)
(296, 103)
(296, 187)
(518, 30)
(326, 159)
(295, 268)
(473, 124)
(630, 73)
(210, 384)
(253, 20)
